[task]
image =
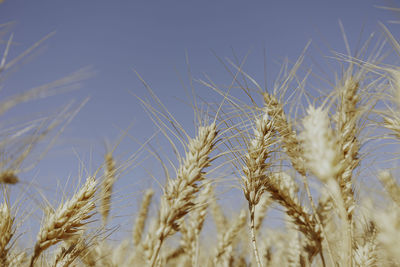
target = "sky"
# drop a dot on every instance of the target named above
(159, 40)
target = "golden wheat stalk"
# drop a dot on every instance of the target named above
(107, 186)
(224, 247)
(142, 217)
(254, 170)
(7, 232)
(218, 215)
(347, 131)
(179, 193)
(323, 156)
(288, 136)
(67, 220)
(293, 149)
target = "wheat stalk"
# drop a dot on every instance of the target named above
(254, 170)
(347, 118)
(179, 193)
(142, 217)
(219, 218)
(225, 243)
(106, 187)
(7, 232)
(288, 136)
(284, 191)
(67, 220)
(323, 159)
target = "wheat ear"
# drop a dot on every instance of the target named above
(365, 254)
(7, 232)
(179, 194)
(67, 220)
(142, 217)
(225, 243)
(218, 215)
(67, 253)
(347, 119)
(283, 190)
(107, 186)
(254, 170)
(323, 156)
(288, 136)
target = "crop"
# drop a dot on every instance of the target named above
(302, 156)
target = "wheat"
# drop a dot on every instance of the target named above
(347, 131)
(224, 248)
(320, 145)
(107, 186)
(142, 216)
(191, 230)
(179, 194)
(288, 136)
(254, 170)
(67, 220)
(7, 232)
(218, 215)
(323, 159)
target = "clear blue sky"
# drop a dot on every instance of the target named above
(152, 37)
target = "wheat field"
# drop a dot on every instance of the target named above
(311, 160)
